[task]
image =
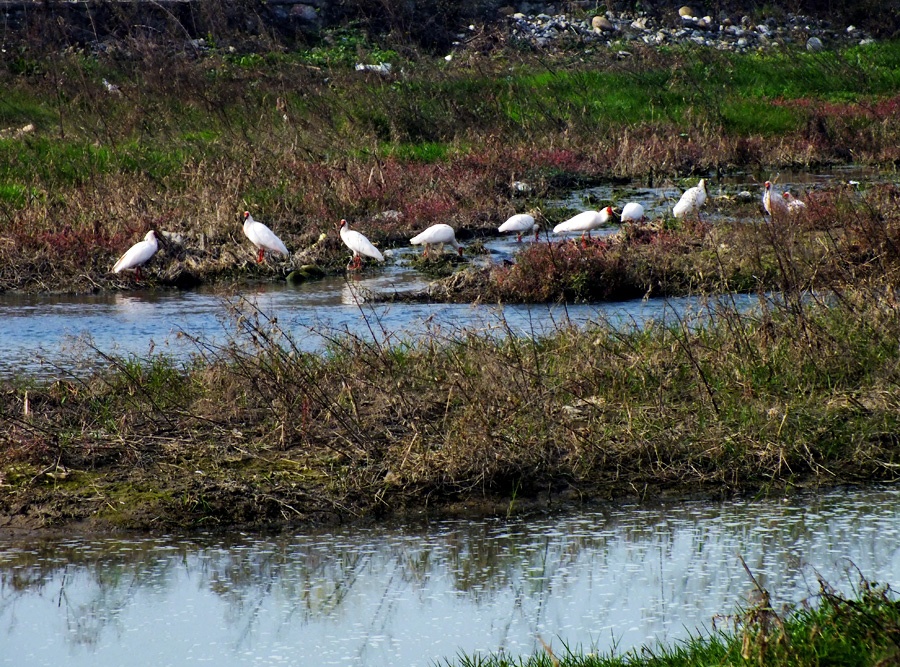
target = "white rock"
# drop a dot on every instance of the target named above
(380, 68)
(814, 44)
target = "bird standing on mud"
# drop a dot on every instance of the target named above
(691, 201)
(359, 244)
(519, 223)
(773, 202)
(437, 235)
(137, 255)
(584, 222)
(262, 237)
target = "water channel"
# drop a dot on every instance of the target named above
(601, 578)
(54, 335)
(412, 595)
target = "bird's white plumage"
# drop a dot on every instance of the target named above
(518, 223)
(358, 243)
(691, 201)
(262, 237)
(795, 206)
(437, 235)
(632, 212)
(138, 254)
(773, 202)
(584, 221)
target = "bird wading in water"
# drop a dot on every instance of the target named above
(584, 222)
(360, 246)
(437, 235)
(691, 201)
(521, 223)
(773, 202)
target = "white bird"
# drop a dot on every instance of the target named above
(584, 222)
(632, 212)
(795, 206)
(437, 235)
(773, 202)
(359, 244)
(519, 223)
(262, 237)
(691, 201)
(138, 254)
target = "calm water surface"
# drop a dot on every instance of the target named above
(56, 335)
(414, 595)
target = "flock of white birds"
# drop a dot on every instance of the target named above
(437, 236)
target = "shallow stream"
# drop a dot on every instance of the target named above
(413, 595)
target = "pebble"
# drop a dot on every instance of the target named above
(602, 23)
(742, 36)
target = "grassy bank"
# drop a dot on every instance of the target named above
(803, 390)
(834, 630)
(301, 139)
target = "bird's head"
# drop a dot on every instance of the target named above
(459, 251)
(160, 238)
(246, 215)
(768, 185)
(787, 196)
(343, 224)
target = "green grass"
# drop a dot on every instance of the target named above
(14, 194)
(743, 117)
(424, 152)
(863, 631)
